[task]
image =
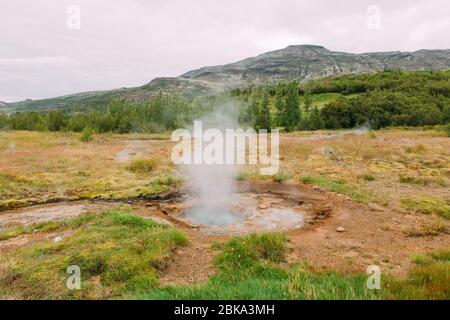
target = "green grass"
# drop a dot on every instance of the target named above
(242, 176)
(321, 99)
(355, 192)
(117, 252)
(447, 129)
(427, 205)
(250, 267)
(46, 226)
(12, 232)
(86, 135)
(143, 166)
(124, 252)
(165, 180)
(281, 177)
(413, 180)
(430, 279)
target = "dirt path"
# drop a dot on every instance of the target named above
(192, 264)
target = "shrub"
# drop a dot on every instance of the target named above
(367, 177)
(143, 166)
(169, 181)
(281, 177)
(447, 129)
(86, 135)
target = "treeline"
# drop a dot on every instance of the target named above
(160, 113)
(390, 98)
(272, 106)
(386, 108)
(431, 82)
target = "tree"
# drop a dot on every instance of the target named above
(292, 108)
(253, 109)
(315, 120)
(263, 119)
(308, 99)
(4, 120)
(280, 105)
(56, 120)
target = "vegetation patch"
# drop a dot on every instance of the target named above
(419, 149)
(143, 166)
(281, 177)
(427, 205)
(355, 192)
(86, 135)
(413, 180)
(246, 271)
(249, 268)
(430, 279)
(367, 177)
(165, 180)
(427, 230)
(116, 251)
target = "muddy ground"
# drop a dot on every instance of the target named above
(337, 234)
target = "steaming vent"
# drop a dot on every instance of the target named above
(217, 206)
(215, 216)
(249, 212)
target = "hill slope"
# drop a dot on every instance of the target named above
(300, 62)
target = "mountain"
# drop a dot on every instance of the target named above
(306, 62)
(4, 107)
(297, 62)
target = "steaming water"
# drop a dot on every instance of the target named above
(212, 216)
(214, 185)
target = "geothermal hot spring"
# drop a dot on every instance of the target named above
(217, 203)
(221, 205)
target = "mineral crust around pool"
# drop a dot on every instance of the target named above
(246, 214)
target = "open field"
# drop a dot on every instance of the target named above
(388, 190)
(42, 167)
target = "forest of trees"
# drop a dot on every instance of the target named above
(389, 98)
(161, 113)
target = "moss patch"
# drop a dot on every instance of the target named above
(116, 251)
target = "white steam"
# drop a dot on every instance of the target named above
(214, 185)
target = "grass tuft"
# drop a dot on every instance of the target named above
(427, 205)
(143, 166)
(355, 192)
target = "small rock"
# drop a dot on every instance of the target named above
(261, 206)
(329, 151)
(57, 239)
(96, 280)
(340, 229)
(375, 207)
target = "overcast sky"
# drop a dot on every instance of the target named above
(125, 43)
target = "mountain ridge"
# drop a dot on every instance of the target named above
(295, 62)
